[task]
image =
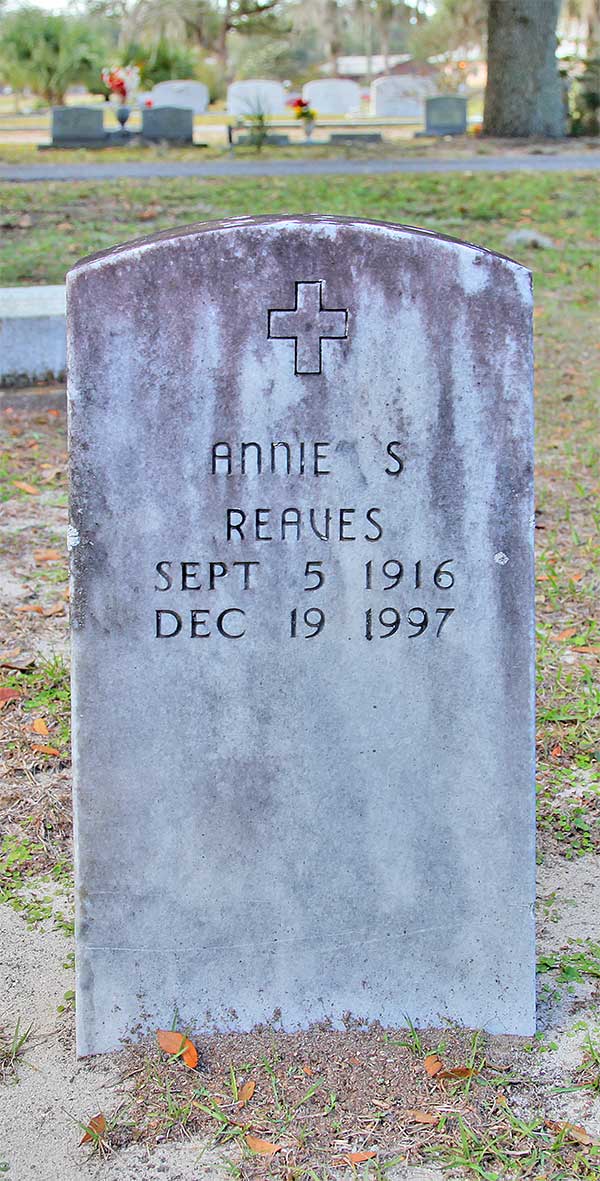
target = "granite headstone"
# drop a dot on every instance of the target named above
(77, 126)
(302, 629)
(172, 124)
(446, 114)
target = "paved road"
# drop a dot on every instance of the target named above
(560, 162)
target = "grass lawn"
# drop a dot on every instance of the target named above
(47, 226)
(495, 1119)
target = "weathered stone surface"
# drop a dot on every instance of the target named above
(173, 124)
(446, 114)
(324, 804)
(74, 125)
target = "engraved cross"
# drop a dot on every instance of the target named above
(307, 324)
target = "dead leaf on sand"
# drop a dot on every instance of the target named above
(94, 1129)
(264, 1147)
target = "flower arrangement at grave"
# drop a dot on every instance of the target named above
(305, 113)
(122, 81)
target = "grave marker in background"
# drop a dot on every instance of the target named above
(188, 94)
(332, 96)
(256, 96)
(400, 95)
(77, 126)
(173, 124)
(302, 629)
(446, 114)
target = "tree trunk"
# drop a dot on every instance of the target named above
(523, 96)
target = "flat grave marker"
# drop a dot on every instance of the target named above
(302, 542)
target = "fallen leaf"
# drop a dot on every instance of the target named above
(47, 555)
(151, 212)
(53, 473)
(7, 694)
(54, 413)
(18, 660)
(356, 1158)
(25, 487)
(566, 634)
(96, 1127)
(307, 1070)
(45, 750)
(173, 1042)
(576, 577)
(422, 1117)
(246, 1092)
(190, 1055)
(255, 1144)
(457, 1072)
(40, 727)
(573, 1131)
(556, 751)
(587, 648)
(55, 609)
(433, 1064)
(33, 607)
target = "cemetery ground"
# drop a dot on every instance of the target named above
(365, 1102)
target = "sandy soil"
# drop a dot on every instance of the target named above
(41, 1110)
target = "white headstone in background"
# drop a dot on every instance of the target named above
(189, 94)
(256, 96)
(333, 96)
(402, 95)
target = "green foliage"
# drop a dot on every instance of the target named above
(161, 62)
(49, 52)
(456, 25)
(580, 960)
(275, 57)
(585, 100)
(258, 124)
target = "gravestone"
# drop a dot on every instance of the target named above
(400, 95)
(332, 96)
(445, 115)
(191, 95)
(77, 126)
(173, 124)
(302, 629)
(256, 96)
